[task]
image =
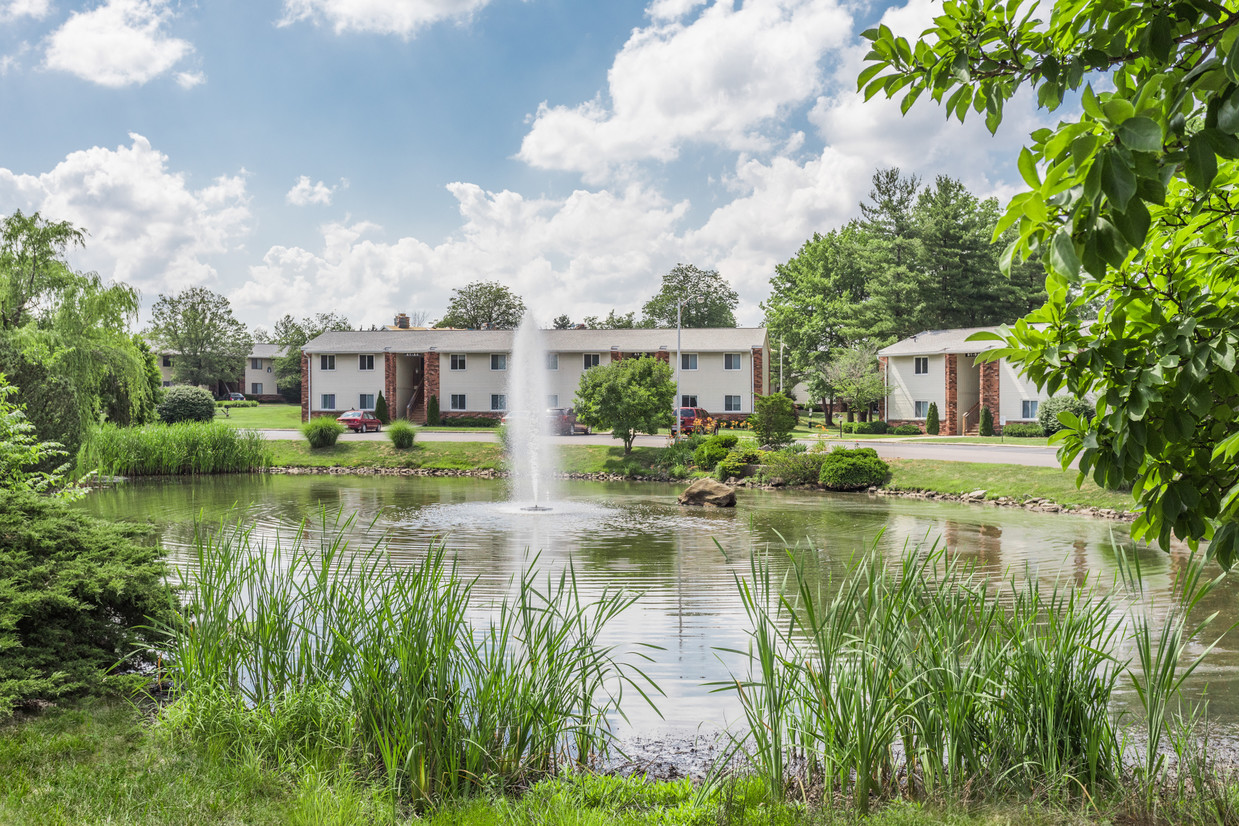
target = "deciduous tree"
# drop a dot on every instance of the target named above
(627, 396)
(292, 334)
(714, 301)
(853, 373)
(210, 344)
(484, 304)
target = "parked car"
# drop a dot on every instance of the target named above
(236, 397)
(560, 421)
(362, 421)
(692, 420)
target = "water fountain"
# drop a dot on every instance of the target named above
(531, 465)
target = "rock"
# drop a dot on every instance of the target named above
(709, 492)
(976, 494)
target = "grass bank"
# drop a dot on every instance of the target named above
(263, 417)
(1014, 481)
(359, 454)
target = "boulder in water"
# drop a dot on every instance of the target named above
(709, 493)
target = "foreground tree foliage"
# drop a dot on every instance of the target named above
(75, 597)
(483, 304)
(626, 397)
(22, 454)
(1134, 209)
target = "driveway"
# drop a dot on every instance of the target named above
(887, 448)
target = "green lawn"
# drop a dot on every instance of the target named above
(1014, 481)
(262, 417)
(345, 453)
(1030, 441)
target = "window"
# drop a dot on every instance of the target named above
(731, 361)
(498, 401)
(922, 410)
(731, 404)
(457, 402)
(688, 401)
(327, 363)
(365, 362)
(552, 361)
(498, 361)
(255, 364)
(1028, 409)
(590, 360)
(167, 361)
(921, 365)
(688, 361)
(366, 401)
(256, 388)
(329, 402)
(458, 362)
(167, 384)
(552, 400)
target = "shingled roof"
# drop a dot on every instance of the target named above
(713, 339)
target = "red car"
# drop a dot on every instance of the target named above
(691, 420)
(360, 421)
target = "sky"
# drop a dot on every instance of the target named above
(367, 157)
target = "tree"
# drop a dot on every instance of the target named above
(614, 321)
(22, 454)
(986, 427)
(713, 305)
(627, 396)
(853, 373)
(483, 305)
(1130, 207)
(562, 322)
(292, 334)
(773, 418)
(380, 409)
(931, 420)
(197, 324)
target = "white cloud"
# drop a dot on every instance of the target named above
(36, 9)
(10, 62)
(119, 43)
(400, 17)
(305, 193)
(672, 9)
(188, 80)
(146, 226)
(720, 79)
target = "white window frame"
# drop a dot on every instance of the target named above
(730, 406)
(916, 410)
(688, 361)
(365, 361)
(552, 361)
(451, 402)
(498, 401)
(685, 397)
(327, 362)
(1025, 404)
(325, 406)
(920, 366)
(589, 360)
(452, 361)
(552, 400)
(361, 401)
(255, 388)
(500, 359)
(739, 357)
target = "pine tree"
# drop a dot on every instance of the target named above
(432, 411)
(987, 422)
(931, 420)
(380, 409)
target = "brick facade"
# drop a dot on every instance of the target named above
(389, 386)
(990, 391)
(305, 387)
(616, 355)
(759, 373)
(950, 417)
(432, 382)
(663, 356)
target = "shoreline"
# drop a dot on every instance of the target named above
(977, 497)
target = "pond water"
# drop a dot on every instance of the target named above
(682, 560)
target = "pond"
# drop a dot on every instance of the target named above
(683, 561)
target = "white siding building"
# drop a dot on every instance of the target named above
(467, 370)
(259, 380)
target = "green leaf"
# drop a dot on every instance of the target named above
(1140, 134)
(1063, 258)
(1133, 222)
(1160, 38)
(1232, 61)
(1228, 113)
(1028, 168)
(1200, 168)
(1092, 106)
(1118, 110)
(868, 73)
(1117, 179)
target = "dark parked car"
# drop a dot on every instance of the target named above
(236, 397)
(362, 421)
(692, 420)
(560, 421)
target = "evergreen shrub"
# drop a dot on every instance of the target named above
(986, 427)
(1048, 410)
(401, 434)
(380, 410)
(906, 430)
(432, 411)
(186, 404)
(853, 469)
(773, 418)
(322, 431)
(1023, 430)
(794, 467)
(734, 462)
(931, 419)
(713, 449)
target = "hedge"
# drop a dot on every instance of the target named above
(186, 404)
(1022, 430)
(853, 469)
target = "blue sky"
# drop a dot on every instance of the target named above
(368, 156)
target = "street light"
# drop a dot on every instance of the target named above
(679, 359)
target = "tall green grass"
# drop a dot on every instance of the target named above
(173, 449)
(312, 654)
(925, 680)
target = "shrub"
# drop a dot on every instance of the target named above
(322, 431)
(773, 418)
(876, 426)
(186, 404)
(931, 419)
(986, 427)
(230, 403)
(733, 463)
(1023, 430)
(77, 595)
(794, 467)
(855, 469)
(906, 430)
(1048, 410)
(401, 434)
(713, 449)
(467, 421)
(173, 449)
(432, 411)
(380, 410)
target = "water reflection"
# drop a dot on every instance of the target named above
(683, 560)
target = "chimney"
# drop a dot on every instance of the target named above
(402, 321)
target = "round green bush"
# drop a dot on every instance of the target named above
(186, 404)
(401, 434)
(322, 431)
(727, 440)
(856, 469)
(1022, 430)
(1048, 410)
(709, 454)
(906, 430)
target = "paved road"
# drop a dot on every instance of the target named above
(1001, 454)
